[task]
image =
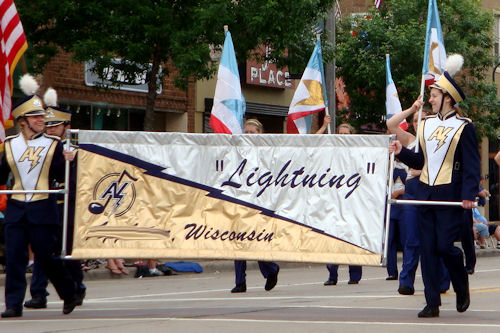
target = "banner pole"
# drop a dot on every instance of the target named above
(388, 205)
(66, 197)
(428, 203)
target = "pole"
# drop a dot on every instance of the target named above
(388, 207)
(417, 130)
(330, 23)
(427, 203)
(66, 196)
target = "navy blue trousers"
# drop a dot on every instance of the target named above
(40, 281)
(354, 272)
(439, 227)
(43, 240)
(266, 268)
(395, 237)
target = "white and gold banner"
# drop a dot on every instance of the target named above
(307, 198)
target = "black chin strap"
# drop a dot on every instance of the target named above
(441, 106)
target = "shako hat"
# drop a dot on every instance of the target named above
(446, 83)
(54, 115)
(32, 105)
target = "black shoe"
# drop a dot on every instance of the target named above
(404, 290)
(9, 313)
(470, 271)
(330, 282)
(239, 288)
(429, 312)
(353, 282)
(80, 296)
(36, 303)
(391, 277)
(272, 279)
(463, 301)
(70, 304)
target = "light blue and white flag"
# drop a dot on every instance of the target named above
(435, 53)
(310, 96)
(392, 103)
(229, 105)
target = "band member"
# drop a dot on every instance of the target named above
(268, 269)
(34, 159)
(449, 159)
(57, 121)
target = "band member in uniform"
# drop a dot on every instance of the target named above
(355, 272)
(57, 121)
(34, 159)
(268, 269)
(449, 160)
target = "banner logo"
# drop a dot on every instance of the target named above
(114, 194)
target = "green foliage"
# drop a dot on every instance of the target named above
(398, 29)
(175, 32)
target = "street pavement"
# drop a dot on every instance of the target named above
(202, 302)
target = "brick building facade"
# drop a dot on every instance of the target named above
(174, 108)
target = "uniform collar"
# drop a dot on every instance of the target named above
(448, 115)
(36, 136)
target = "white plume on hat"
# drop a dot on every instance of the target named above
(50, 97)
(28, 84)
(454, 64)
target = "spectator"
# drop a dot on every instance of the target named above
(484, 229)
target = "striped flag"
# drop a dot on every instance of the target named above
(13, 45)
(392, 103)
(435, 53)
(378, 3)
(229, 104)
(310, 96)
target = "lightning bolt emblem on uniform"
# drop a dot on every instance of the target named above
(440, 134)
(31, 155)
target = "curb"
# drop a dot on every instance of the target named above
(217, 266)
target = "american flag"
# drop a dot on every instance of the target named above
(13, 44)
(378, 3)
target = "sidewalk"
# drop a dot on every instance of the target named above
(214, 266)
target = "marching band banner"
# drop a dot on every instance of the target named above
(302, 198)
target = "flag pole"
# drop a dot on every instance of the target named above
(327, 113)
(417, 130)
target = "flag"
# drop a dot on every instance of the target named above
(392, 104)
(378, 3)
(229, 104)
(13, 45)
(435, 53)
(310, 96)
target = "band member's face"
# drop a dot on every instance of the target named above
(37, 123)
(57, 130)
(344, 130)
(251, 129)
(435, 99)
(415, 119)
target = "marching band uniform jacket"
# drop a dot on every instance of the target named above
(454, 174)
(34, 164)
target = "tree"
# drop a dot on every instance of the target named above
(172, 35)
(398, 29)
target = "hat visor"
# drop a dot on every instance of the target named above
(34, 113)
(53, 123)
